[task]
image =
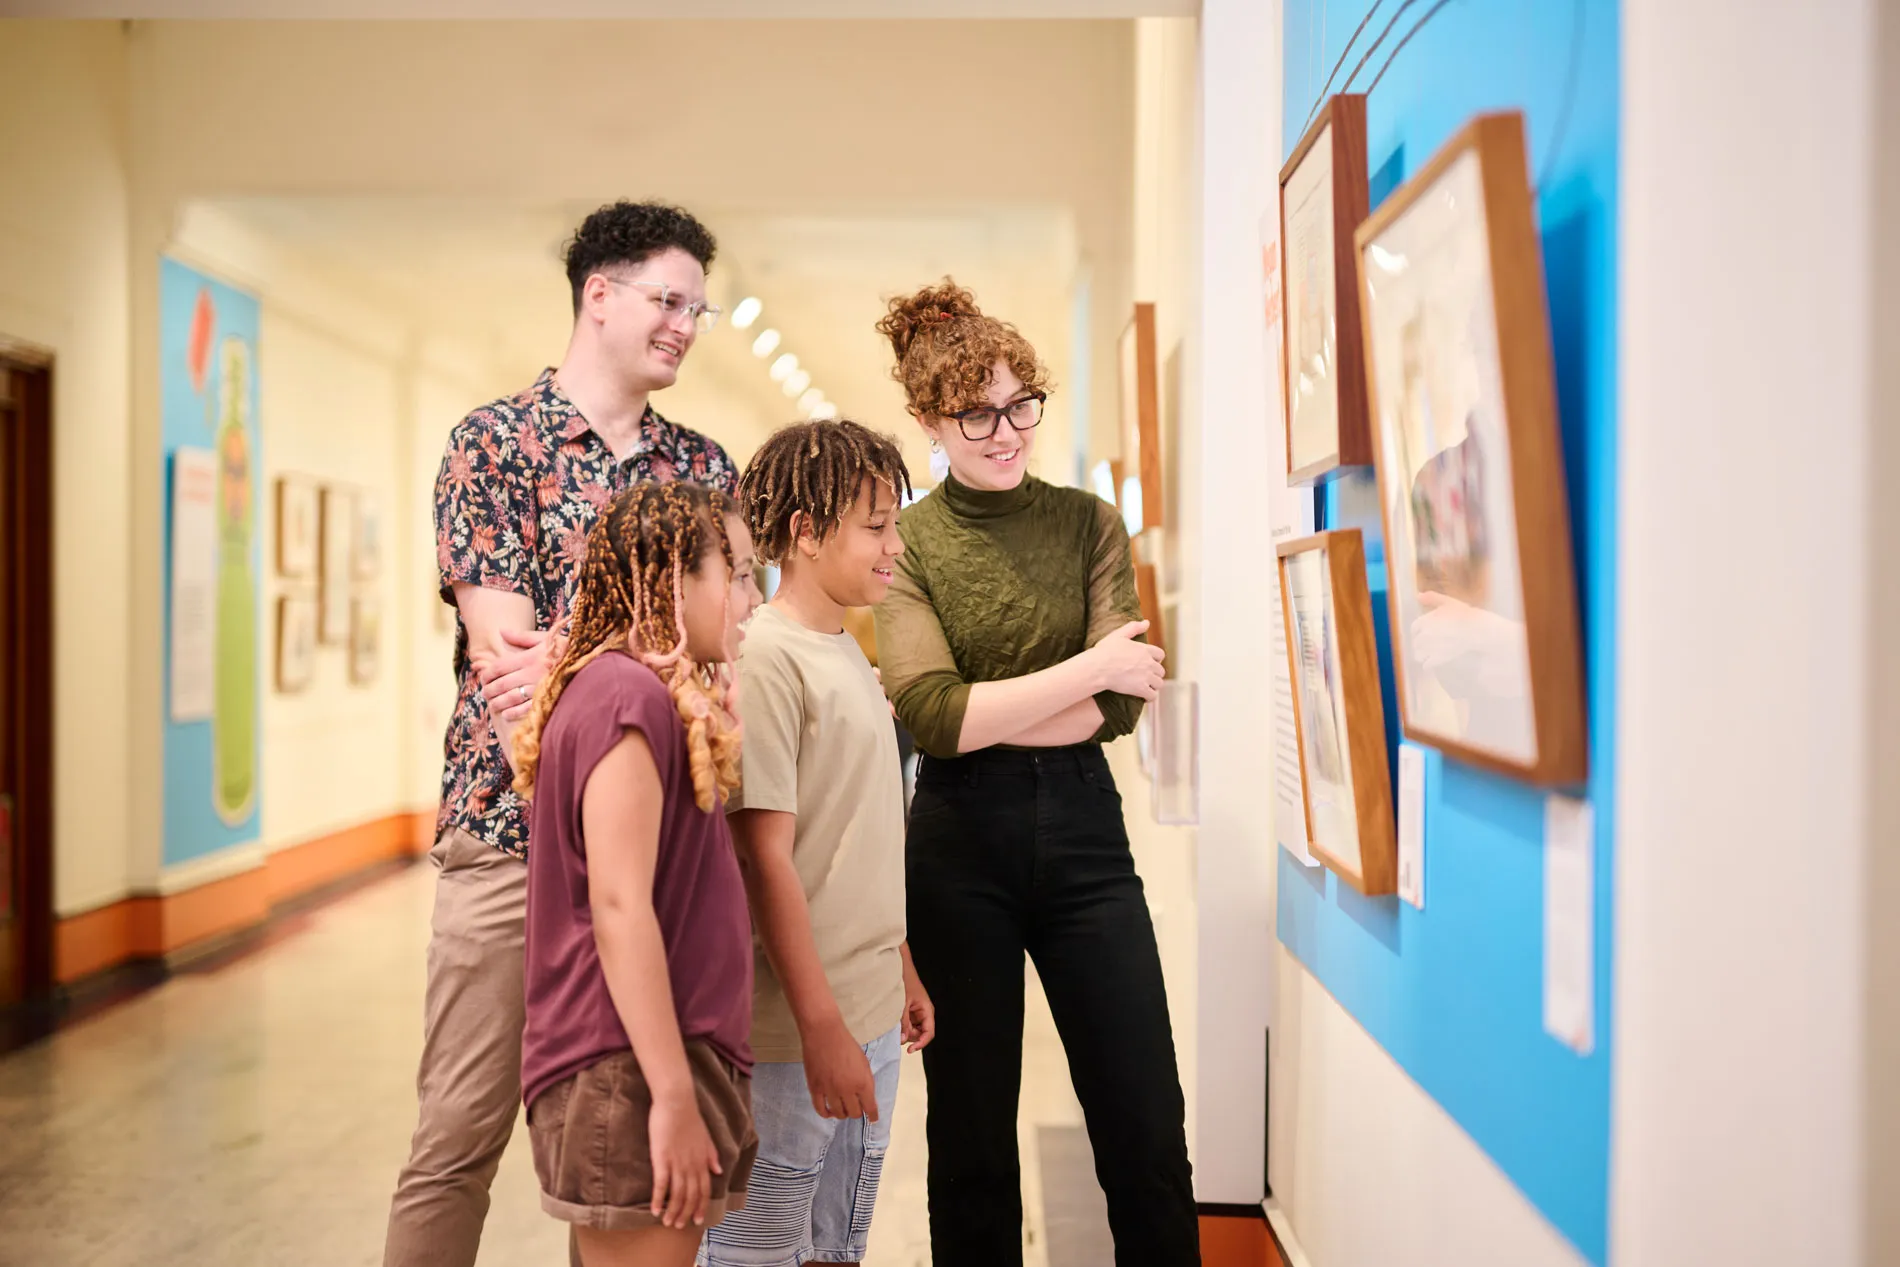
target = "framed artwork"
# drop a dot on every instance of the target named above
(1148, 587)
(336, 538)
(1339, 714)
(366, 551)
(296, 528)
(1482, 584)
(366, 639)
(296, 642)
(1140, 376)
(1323, 198)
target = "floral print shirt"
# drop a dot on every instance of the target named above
(520, 485)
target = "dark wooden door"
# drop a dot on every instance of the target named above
(26, 681)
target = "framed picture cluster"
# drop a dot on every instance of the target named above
(1417, 340)
(329, 555)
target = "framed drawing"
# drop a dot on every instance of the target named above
(1140, 375)
(1148, 587)
(1333, 657)
(296, 528)
(366, 552)
(296, 642)
(336, 539)
(366, 639)
(1470, 464)
(1323, 198)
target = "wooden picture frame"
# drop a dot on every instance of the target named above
(366, 639)
(366, 544)
(296, 528)
(1482, 582)
(335, 563)
(296, 649)
(1324, 196)
(1148, 588)
(1140, 378)
(1338, 709)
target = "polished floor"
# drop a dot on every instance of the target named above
(256, 1114)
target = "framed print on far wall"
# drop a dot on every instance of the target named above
(1339, 713)
(366, 639)
(1323, 197)
(366, 552)
(296, 642)
(1482, 582)
(1140, 376)
(336, 537)
(296, 528)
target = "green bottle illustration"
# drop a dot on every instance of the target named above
(234, 697)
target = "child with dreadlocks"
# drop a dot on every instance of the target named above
(818, 819)
(635, 1060)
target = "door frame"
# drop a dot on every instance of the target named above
(26, 374)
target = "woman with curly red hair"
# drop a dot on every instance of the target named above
(1010, 644)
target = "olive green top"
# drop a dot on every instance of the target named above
(994, 586)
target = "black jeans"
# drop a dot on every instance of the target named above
(1014, 851)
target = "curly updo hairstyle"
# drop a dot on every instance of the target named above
(631, 233)
(632, 596)
(947, 349)
(814, 469)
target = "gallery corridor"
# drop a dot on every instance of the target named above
(256, 1112)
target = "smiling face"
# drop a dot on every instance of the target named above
(855, 565)
(998, 463)
(643, 344)
(720, 598)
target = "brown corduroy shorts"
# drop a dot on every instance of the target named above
(591, 1150)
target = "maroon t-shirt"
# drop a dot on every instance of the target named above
(697, 891)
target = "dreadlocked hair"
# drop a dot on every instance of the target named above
(631, 596)
(946, 350)
(814, 469)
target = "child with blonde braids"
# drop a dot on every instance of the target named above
(636, 1059)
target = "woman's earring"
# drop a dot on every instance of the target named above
(936, 445)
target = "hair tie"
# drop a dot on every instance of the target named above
(938, 317)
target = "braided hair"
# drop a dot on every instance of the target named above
(631, 596)
(814, 469)
(947, 349)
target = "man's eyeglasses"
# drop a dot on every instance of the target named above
(981, 423)
(704, 315)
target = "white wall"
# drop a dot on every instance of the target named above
(63, 252)
(1239, 123)
(1745, 658)
(1162, 272)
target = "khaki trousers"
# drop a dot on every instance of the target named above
(468, 1088)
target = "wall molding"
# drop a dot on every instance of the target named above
(236, 890)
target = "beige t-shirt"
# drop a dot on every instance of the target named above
(819, 743)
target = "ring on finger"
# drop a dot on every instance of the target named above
(522, 690)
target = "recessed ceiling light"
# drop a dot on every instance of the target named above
(811, 400)
(783, 366)
(746, 313)
(765, 343)
(797, 383)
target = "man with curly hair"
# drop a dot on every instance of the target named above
(521, 483)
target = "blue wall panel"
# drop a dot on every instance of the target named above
(1455, 992)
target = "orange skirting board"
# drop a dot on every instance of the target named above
(1237, 1242)
(149, 926)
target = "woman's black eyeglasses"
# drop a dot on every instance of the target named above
(981, 424)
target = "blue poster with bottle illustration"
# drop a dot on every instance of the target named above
(213, 579)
